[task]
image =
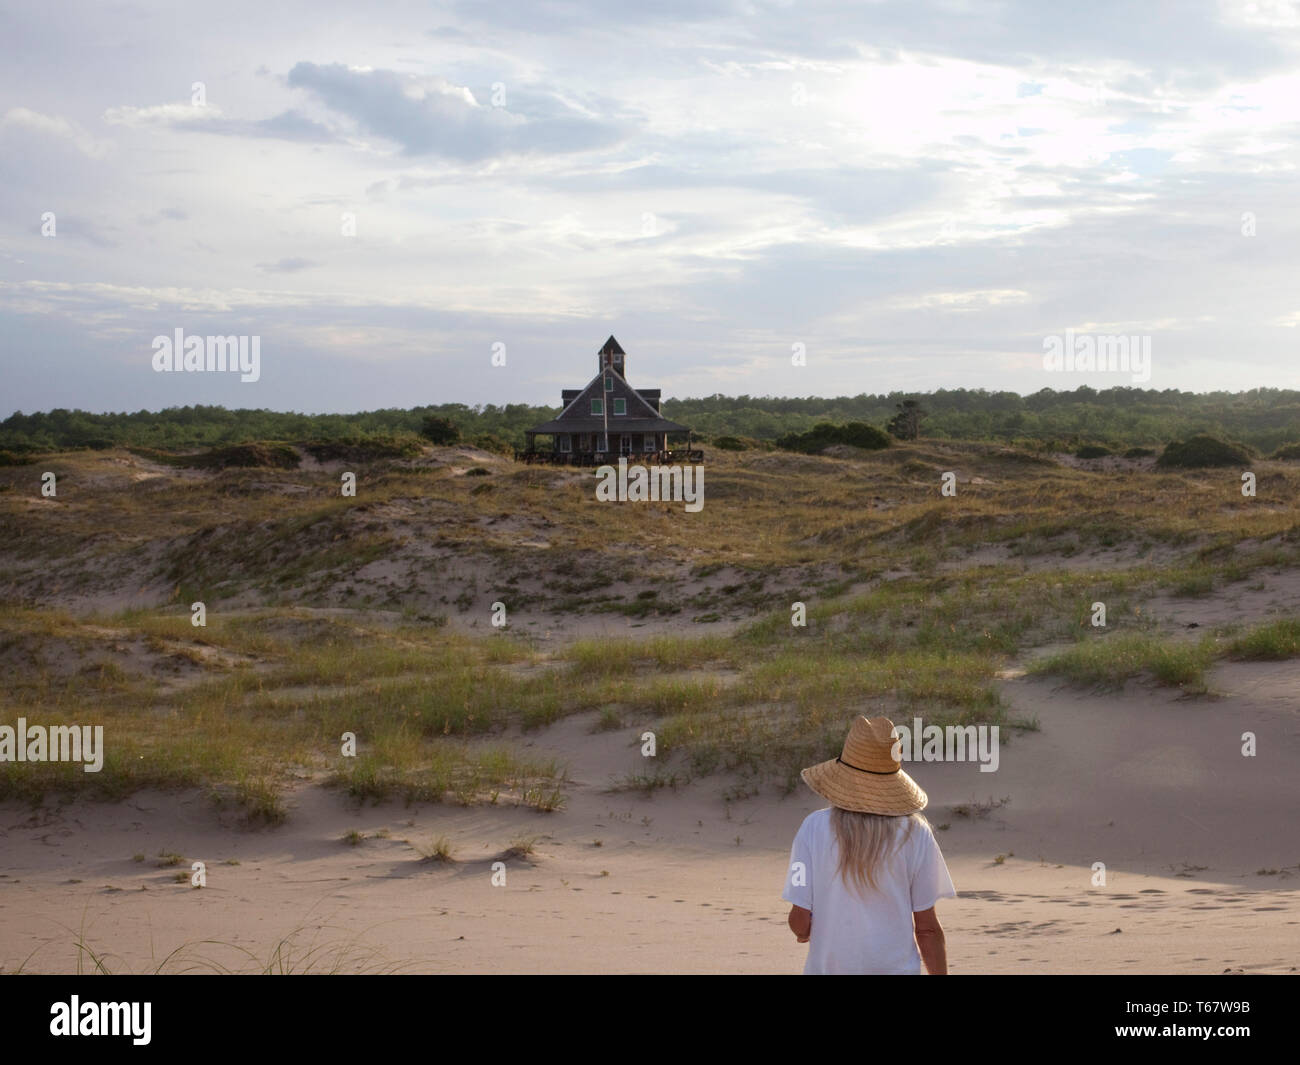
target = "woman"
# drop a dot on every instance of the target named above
(866, 872)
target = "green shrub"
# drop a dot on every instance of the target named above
(439, 431)
(732, 443)
(824, 435)
(1139, 453)
(492, 442)
(1287, 452)
(1092, 451)
(1200, 451)
(365, 448)
(277, 456)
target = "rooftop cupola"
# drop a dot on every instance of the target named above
(612, 355)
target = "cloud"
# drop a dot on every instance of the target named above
(957, 181)
(294, 126)
(287, 266)
(61, 128)
(432, 116)
(288, 125)
(170, 214)
(957, 302)
(159, 115)
(77, 227)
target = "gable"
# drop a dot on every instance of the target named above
(636, 404)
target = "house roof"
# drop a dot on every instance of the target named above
(650, 395)
(642, 408)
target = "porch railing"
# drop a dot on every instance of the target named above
(670, 457)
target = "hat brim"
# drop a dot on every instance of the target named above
(892, 794)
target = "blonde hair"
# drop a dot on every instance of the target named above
(866, 840)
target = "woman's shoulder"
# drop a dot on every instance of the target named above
(921, 834)
(921, 824)
(816, 819)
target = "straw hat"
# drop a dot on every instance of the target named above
(866, 777)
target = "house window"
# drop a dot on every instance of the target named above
(564, 443)
(609, 382)
(620, 406)
(597, 406)
(649, 441)
(600, 442)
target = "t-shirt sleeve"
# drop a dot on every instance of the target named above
(798, 875)
(930, 879)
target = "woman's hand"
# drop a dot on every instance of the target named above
(800, 922)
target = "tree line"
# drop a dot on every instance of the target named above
(1265, 419)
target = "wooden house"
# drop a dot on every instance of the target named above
(607, 419)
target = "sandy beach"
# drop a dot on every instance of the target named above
(1201, 849)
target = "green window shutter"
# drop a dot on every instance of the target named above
(609, 382)
(597, 406)
(620, 406)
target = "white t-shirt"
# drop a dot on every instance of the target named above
(868, 933)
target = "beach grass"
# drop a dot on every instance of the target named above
(913, 605)
(1273, 640)
(1110, 661)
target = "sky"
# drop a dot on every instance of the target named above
(416, 203)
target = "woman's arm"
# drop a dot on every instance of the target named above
(930, 942)
(800, 921)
